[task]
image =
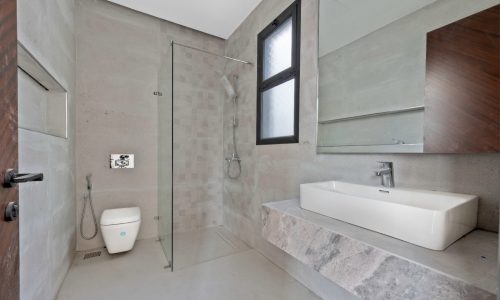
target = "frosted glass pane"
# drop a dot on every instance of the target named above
(278, 110)
(278, 50)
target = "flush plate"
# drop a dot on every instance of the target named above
(122, 161)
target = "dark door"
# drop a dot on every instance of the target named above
(462, 104)
(9, 230)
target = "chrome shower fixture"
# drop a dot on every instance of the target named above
(231, 93)
(235, 158)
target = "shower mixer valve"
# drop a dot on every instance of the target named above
(233, 157)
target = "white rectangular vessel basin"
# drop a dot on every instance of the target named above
(429, 219)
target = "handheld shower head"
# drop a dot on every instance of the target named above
(87, 198)
(231, 93)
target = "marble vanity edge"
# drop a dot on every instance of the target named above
(364, 270)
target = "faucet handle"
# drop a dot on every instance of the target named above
(386, 173)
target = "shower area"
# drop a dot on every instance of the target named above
(197, 96)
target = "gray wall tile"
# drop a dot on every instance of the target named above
(47, 209)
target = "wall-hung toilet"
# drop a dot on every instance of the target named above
(120, 227)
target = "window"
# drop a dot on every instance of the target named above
(278, 79)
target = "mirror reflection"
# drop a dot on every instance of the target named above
(407, 81)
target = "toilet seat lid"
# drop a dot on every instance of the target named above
(120, 216)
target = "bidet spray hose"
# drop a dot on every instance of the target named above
(88, 197)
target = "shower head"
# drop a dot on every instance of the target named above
(231, 93)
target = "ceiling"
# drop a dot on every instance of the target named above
(215, 17)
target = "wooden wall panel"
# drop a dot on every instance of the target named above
(462, 105)
(9, 231)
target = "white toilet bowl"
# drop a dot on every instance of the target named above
(120, 227)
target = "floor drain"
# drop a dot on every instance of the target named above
(92, 254)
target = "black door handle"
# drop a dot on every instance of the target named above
(11, 211)
(11, 177)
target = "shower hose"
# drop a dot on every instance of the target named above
(88, 198)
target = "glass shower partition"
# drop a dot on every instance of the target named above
(165, 152)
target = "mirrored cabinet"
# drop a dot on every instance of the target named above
(412, 82)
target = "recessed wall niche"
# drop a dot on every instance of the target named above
(42, 99)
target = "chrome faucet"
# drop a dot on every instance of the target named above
(386, 174)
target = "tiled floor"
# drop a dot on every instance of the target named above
(140, 274)
(194, 247)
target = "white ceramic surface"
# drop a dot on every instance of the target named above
(120, 216)
(119, 228)
(429, 219)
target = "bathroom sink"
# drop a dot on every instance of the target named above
(428, 219)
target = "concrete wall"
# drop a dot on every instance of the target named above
(383, 71)
(47, 209)
(274, 172)
(336, 19)
(198, 102)
(118, 64)
(117, 58)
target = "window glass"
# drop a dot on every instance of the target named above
(278, 50)
(278, 110)
(278, 79)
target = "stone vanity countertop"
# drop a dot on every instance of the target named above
(375, 266)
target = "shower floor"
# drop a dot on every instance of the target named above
(194, 247)
(226, 269)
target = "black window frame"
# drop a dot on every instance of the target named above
(293, 11)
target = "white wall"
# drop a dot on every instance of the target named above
(47, 209)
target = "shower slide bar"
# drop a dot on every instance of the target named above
(172, 42)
